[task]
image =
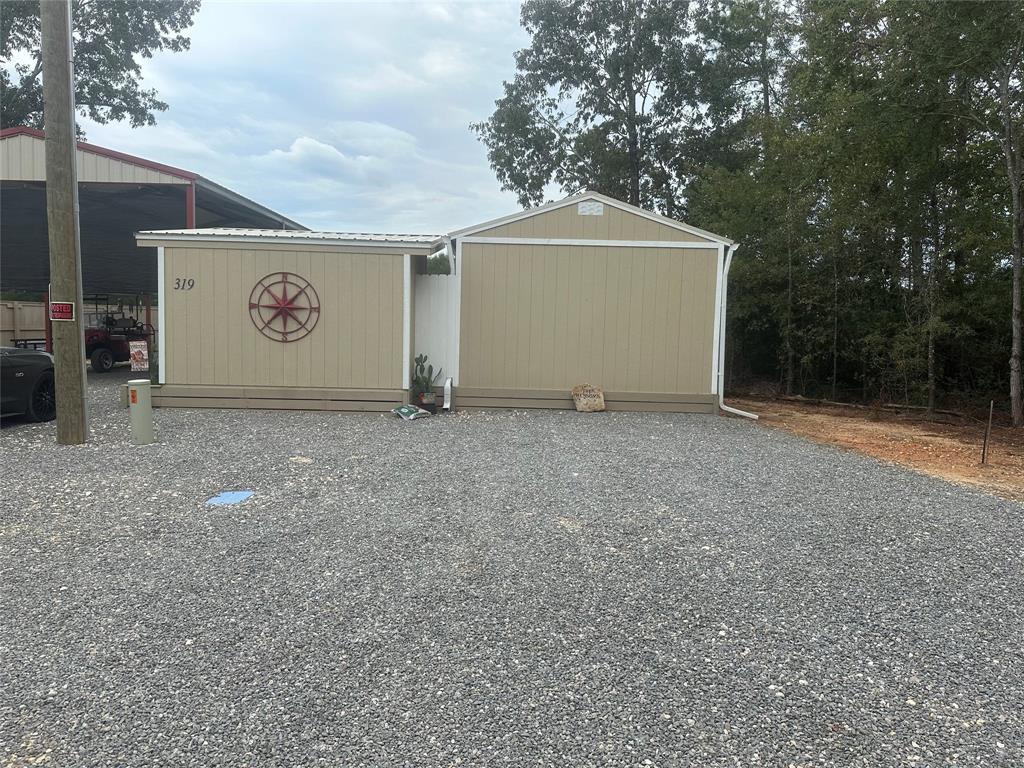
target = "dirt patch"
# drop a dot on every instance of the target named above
(948, 447)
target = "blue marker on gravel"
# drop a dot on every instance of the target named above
(228, 497)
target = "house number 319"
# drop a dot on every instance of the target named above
(184, 283)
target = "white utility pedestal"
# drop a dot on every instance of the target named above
(140, 410)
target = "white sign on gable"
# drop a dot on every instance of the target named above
(590, 208)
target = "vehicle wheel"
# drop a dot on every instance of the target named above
(102, 360)
(42, 403)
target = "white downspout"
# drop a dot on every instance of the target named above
(721, 341)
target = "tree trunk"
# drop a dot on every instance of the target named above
(835, 322)
(634, 150)
(916, 266)
(1011, 152)
(931, 358)
(766, 85)
(790, 352)
(933, 270)
(1016, 406)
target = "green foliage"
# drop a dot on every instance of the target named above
(585, 109)
(439, 265)
(860, 152)
(423, 378)
(110, 37)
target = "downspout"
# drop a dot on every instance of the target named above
(447, 240)
(721, 341)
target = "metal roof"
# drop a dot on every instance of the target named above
(211, 188)
(263, 235)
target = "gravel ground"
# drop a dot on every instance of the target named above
(497, 589)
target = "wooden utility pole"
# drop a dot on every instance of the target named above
(62, 219)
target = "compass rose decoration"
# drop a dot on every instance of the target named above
(284, 306)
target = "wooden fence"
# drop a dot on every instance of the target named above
(21, 320)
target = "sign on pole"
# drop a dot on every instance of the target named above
(62, 310)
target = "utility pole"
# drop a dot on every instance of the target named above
(62, 219)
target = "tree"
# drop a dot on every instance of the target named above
(733, 69)
(977, 51)
(585, 108)
(109, 38)
(868, 156)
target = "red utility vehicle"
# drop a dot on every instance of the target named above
(108, 329)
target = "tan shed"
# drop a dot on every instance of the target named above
(284, 319)
(588, 290)
(584, 290)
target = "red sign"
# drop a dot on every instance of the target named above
(62, 310)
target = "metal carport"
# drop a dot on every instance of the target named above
(119, 195)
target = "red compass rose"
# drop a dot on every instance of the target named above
(284, 307)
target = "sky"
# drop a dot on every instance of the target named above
(343, 116)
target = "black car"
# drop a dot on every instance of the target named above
(26, 384)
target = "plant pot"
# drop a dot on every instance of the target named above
(428, 402)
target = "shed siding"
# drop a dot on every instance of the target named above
(545, 317)
(23, 158)
(613, 224)
(211, 340)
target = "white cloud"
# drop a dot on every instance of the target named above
(443, 62)
(382, 79)
(437, 11)
(372, 137)
(339, 115)
(309, 156)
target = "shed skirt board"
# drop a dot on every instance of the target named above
(480, 398)
(277, 398)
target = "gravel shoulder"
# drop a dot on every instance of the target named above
(513, 588)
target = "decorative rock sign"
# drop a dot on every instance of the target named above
(62, 310)
(587, 398)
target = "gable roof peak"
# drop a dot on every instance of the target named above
(598, 197)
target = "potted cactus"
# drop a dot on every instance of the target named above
(423, 382)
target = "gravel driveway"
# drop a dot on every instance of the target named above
(497, 589)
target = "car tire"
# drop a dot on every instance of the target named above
(42, 402)
(102, 360)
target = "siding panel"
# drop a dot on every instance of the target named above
(23, 158)
(211, 340)
(626, 319)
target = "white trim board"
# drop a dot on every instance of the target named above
(573, 199)
(161, 316)
(596, 243)
(458, 313)
(143, 237)
(406, 319)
